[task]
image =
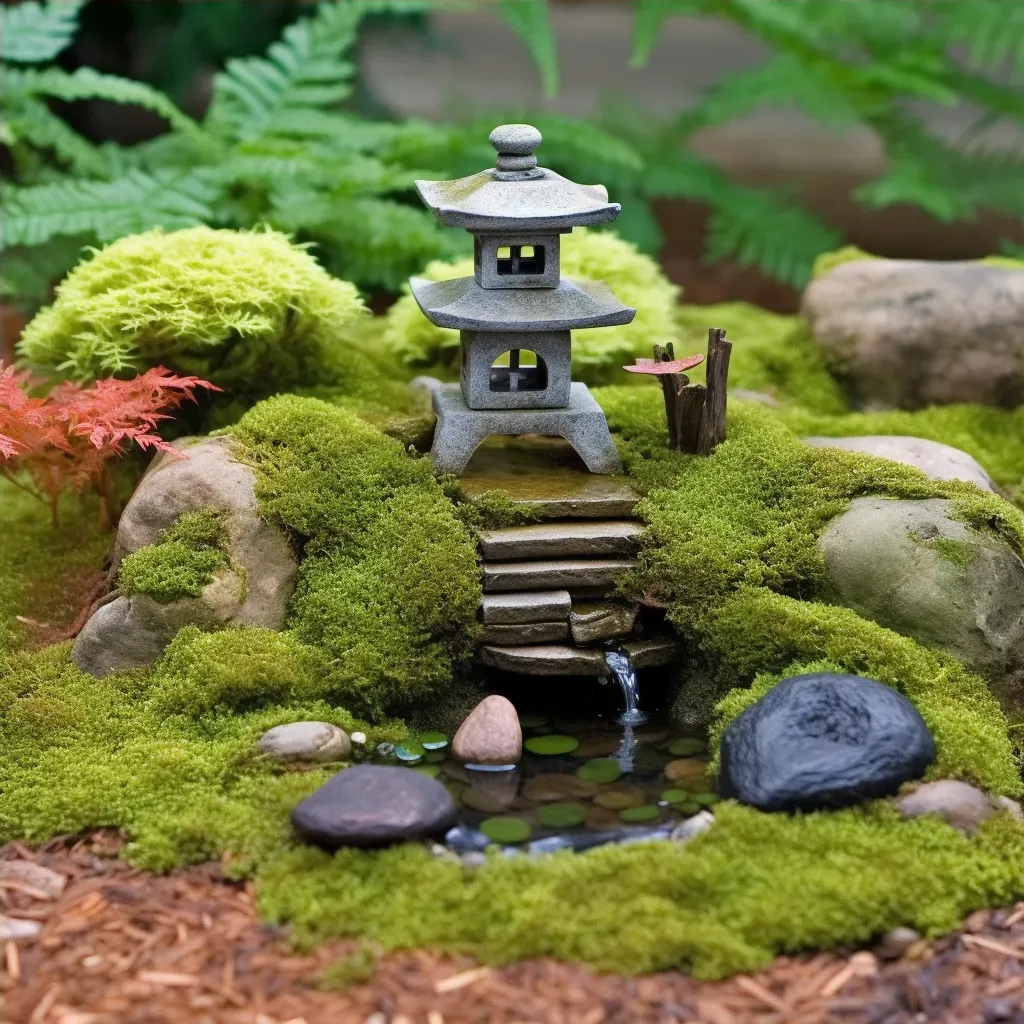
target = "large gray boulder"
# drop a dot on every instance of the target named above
(130, 631)
(909, 333)
(909, 566)
(935, 460)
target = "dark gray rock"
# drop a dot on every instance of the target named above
(822, 740)
(374, 805)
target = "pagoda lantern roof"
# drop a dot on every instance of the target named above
(463, 305)
(516, 194)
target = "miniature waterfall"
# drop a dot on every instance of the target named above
(621, 666)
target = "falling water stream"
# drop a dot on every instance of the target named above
(621, 666)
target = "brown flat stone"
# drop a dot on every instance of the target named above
(551, 575)
(545, 660)
(528, 606)
(547, 474)
(526, 633)
(655, 651)
(588, 539)
(601, 620)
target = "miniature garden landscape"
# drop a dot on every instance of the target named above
(543, 614)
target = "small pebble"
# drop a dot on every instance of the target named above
(14, 928)
(896, 942)
(686, 830)
(474, 859)
(358, 737)
(977, 921)
(466, 840)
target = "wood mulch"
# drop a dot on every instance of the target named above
(119, 946)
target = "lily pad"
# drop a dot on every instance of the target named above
(674, 796)
(506, 830)
(686, 747)
(434, 740)
(434, 756)
(430, 770)
(561, 815)
(600, 769)
(532, 721)
(410, 750)
(688, 807)
(705, 799)
(551, 744)
(645, 812)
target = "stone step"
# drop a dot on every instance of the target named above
(591, 539)
(546, 474)
(601, 620)
(525, 633)
(529, 606)
(566, 573)
(566, 660)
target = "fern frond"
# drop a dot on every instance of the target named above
(758, 228)
(27, 273)
(650, 16)
(530, 21)
(106, 210)
(992, 32)
(32, 32)
(88, 84)
(31, 122)
(305, 68)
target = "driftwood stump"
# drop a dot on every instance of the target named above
(695, 412)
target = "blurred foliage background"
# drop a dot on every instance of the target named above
(118, 118)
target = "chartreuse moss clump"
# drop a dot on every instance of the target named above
(597, 353)
(182, 563)
(247, 310)
(389, 584)
(731, 550)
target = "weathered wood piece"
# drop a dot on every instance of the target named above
(712, 424)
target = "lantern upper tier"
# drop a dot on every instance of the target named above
(516, 193)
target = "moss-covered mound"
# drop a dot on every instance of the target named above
(597, 353)
(249, 311)
(388, 586)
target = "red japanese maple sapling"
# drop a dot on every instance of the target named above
(68, 437)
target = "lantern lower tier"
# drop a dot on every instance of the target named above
(461, 304)
(460, 430)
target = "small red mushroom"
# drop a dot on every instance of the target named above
(674, 366)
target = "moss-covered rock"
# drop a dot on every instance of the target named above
(389, 584)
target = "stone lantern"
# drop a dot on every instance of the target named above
(517, 302)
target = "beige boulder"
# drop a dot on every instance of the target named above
(490, 735)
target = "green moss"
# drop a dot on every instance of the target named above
(753, 885)
(355, 969)
(598, 353)
(956, 551)
(851, 254)
(493, 510)
(731, 550)
(249, 311)
(182, 563)
(389, 585)
(41, 568)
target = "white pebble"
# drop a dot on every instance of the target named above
(358, 737)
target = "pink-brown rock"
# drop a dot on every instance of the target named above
(490, 734)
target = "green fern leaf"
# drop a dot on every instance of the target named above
(530, 21)
(32, 32)
(758, 228)
(306, 68)
(28, 273)
(32, 122)
(87, 83)
(992, 32)
(650, 16)
(106, 210)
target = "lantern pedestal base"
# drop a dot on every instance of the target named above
(461, 429)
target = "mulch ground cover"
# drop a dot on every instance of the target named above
(117, 945)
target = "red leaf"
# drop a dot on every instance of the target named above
(675, 366)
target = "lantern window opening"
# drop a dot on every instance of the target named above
(520, 259)
(523, 371)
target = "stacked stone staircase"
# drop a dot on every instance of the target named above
(549, 602)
